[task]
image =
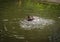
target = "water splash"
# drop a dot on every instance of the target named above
(38, 22)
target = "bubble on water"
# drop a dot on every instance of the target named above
(38, 22)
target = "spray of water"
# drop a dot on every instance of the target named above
(38, 22)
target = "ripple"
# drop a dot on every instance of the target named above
(5, 20)
(5, 28)
(19, 37)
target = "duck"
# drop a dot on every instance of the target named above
(30, 18)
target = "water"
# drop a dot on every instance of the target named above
(38, 22)
(18, 37)
(15, 28)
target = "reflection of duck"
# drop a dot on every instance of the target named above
(30, 18)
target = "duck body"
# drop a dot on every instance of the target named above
(30, 18)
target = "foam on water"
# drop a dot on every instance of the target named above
(38, 22)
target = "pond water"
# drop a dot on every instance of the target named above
(15, 28)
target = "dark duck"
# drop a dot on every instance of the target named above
(30, 18)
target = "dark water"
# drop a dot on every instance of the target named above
(11, 12)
